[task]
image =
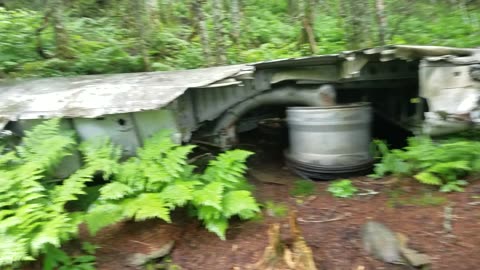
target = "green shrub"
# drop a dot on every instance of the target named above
(58, 259)
(303, 188)
(342, 188)
(33, 219)
(160, 180)
(433, 163)
(275, 209)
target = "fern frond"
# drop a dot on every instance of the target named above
(71, 187)
(157, 145)
(101, 155)
(103, 215)
(46, 144)
(217, 226)
(131, 174)
(208, 213)
(209, 195)
(115, 191)
(241, 203)
(228, 168)
(146, 206)
(446, 167)
(13, 249)
(179, 193)
(428, 178)
(49, 233)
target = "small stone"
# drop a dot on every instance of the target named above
(380, 242)
(415, 258)
(139, 259)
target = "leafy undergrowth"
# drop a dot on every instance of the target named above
(32, 211)
(160, 180)
(342, 188)
(444, 163)
(303, 188)
(34, 220)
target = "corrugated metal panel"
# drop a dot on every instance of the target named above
(95, 95)
(209, 103)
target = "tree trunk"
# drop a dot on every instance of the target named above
(356, 23)
(307, 18)
(382, 21)
(55, 9)
(235, 7)
(292, 7)
(152, 9)
(219, 30)
(141, 25)
(201, 26)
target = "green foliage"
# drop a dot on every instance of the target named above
(33, 219)
(160, 180)
(57, 259)
(400, 198)
(276, 209)
(103, 38)
(432, 163)
(342, 188)
(303, 188)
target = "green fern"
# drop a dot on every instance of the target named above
(432, 163)
(160, 179)
(32, 213)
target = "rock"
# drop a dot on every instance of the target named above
(414, 258)
(380, 242)
(139, 259)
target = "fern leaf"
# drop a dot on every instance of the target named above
(13, 249)
(46, 144)
(101, 155)
(147, 206)
(115, 191)
(208, 213)
(178, 193)
(49, 234)
(210, 195)
(217, 226)
(71, 187)
(446, 167)
(103, 215)
(428, 178)
(240, 203)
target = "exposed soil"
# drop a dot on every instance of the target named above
(330, 226)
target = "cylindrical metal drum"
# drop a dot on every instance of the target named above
(329, 141)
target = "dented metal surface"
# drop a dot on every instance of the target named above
(96, 95)
(184, 101)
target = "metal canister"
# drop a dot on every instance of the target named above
(330, 141)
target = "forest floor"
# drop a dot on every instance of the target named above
(330, 226)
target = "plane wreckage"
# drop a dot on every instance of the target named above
(331, 101)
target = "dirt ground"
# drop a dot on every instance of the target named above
(330, 226)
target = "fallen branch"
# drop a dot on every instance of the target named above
(447, 219)
(368, 192)
(340, 217)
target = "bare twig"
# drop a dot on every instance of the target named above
(368, 192)
(142, 243)
(198, 157)
(447, 219)
(339, 217)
